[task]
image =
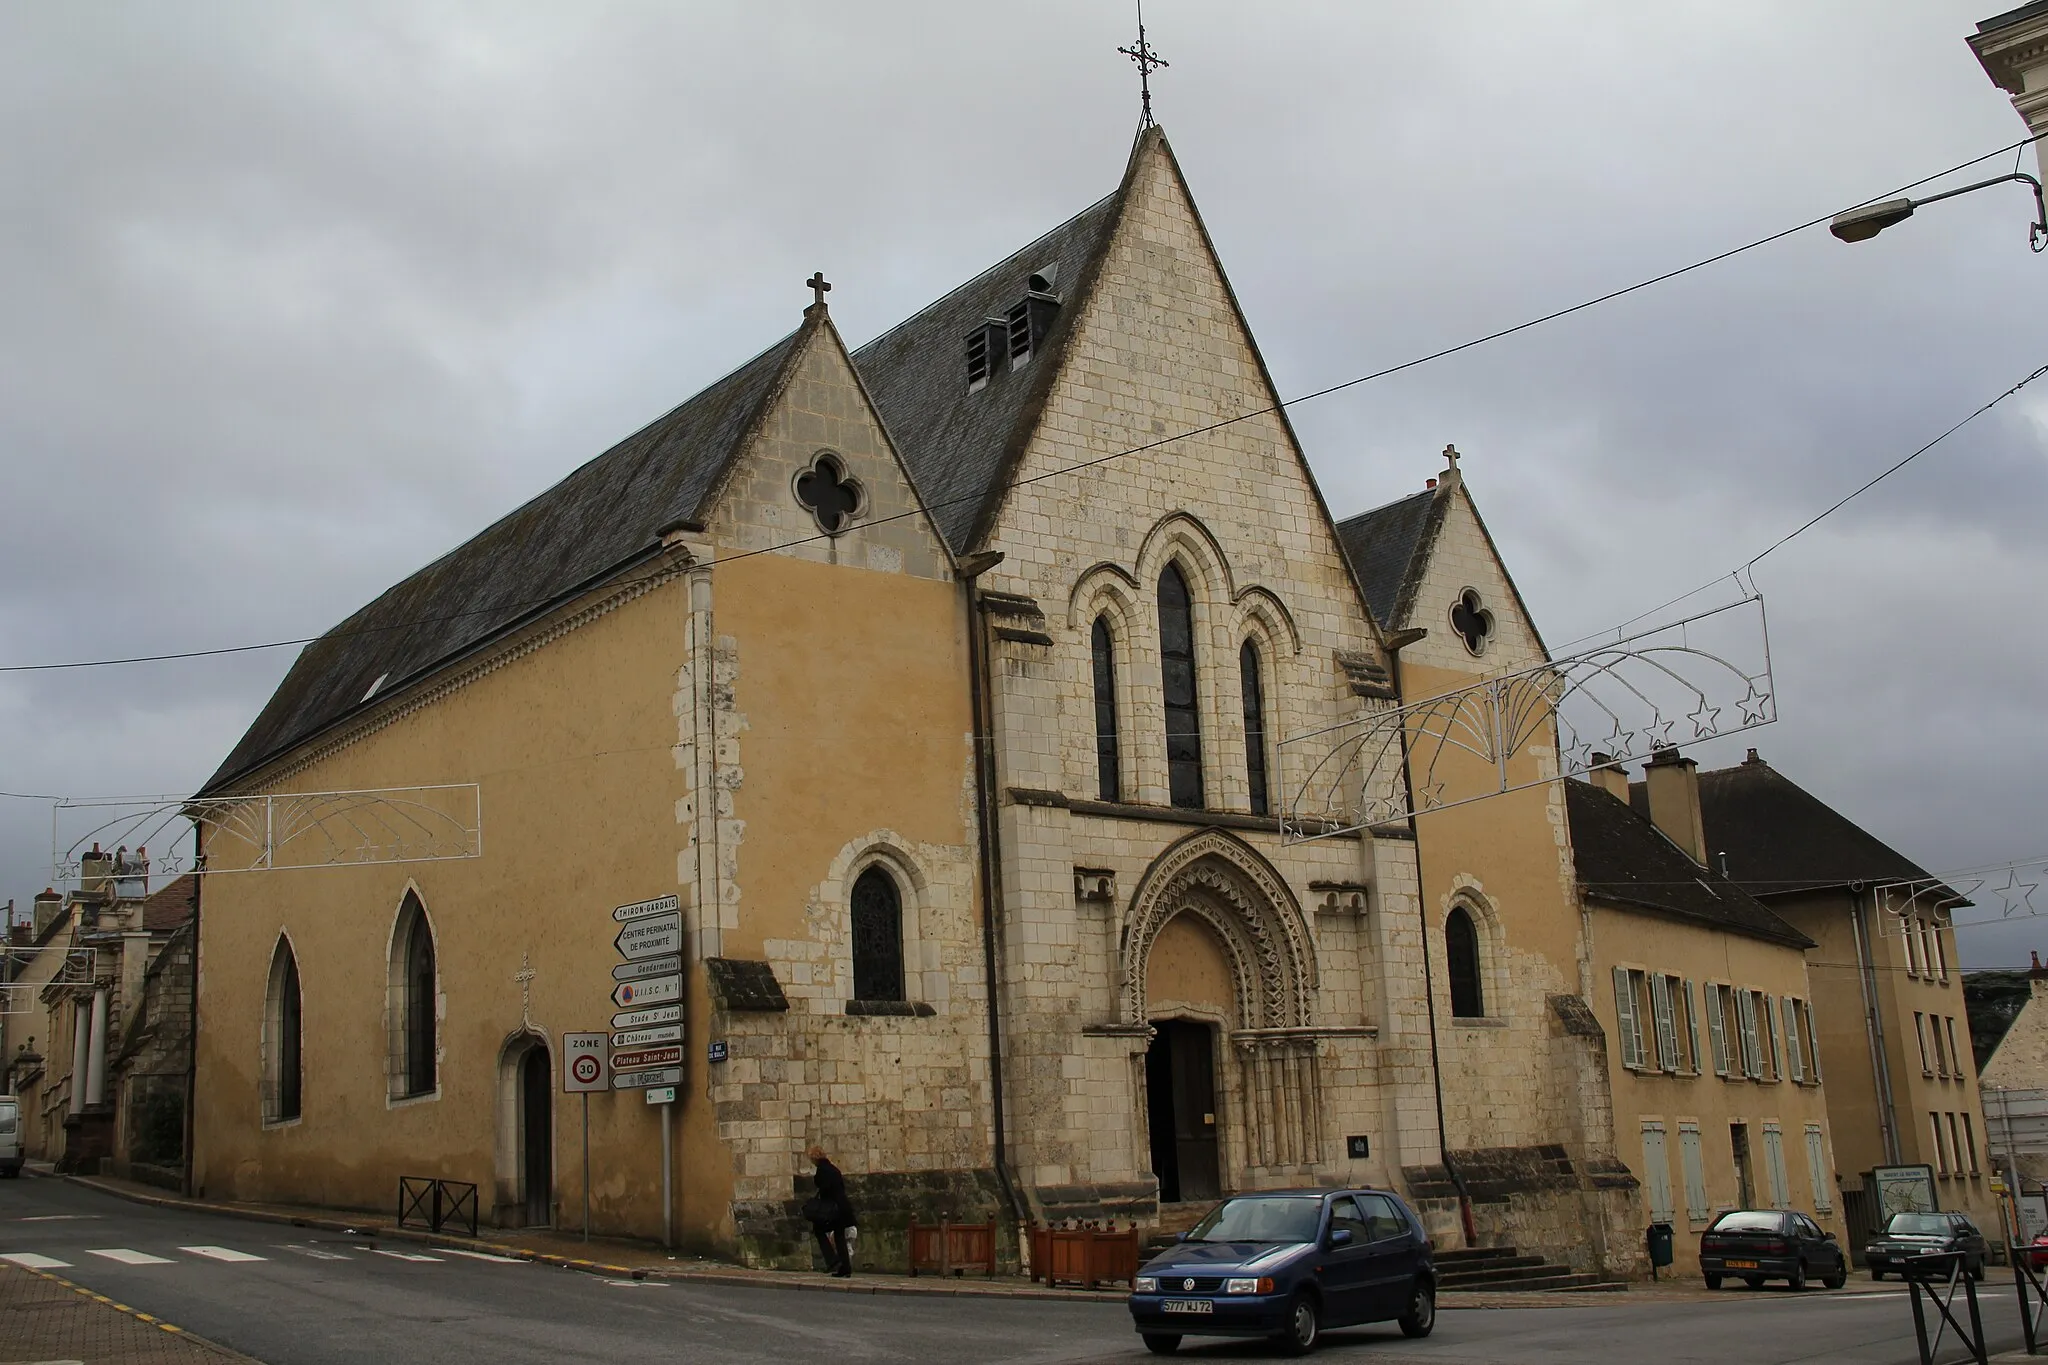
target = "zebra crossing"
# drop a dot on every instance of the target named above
(224, 1255)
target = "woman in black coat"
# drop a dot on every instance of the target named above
(831, 1214)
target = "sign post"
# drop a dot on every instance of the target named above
(648, 992)
(586, 1066)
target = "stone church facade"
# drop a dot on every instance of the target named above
(955, 729)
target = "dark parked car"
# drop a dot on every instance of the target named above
(1287, 1264)
(1771, 1244)
(1917, 1234)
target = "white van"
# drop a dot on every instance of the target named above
(10, 1136)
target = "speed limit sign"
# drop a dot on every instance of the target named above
(585, 1062)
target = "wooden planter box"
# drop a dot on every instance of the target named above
(1084, 1256)
(952, 1248)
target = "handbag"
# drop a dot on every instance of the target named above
(815, 1210)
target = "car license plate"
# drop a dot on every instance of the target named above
(1188, 1306)
(1742, 1265)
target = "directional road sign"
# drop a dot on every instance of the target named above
(658, 1014)
(660, 905)
(653, 966)
(650, 936)
(648, 1037)
(584, 1064)
(640, 1080)
(658, 991)
(661, 1094)
(641, 1058)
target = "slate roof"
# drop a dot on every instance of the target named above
(171, 905)
(2012, 17)
(1623, 860)
(1388, 548)
(592, 524)
(1782, 839)
(958, 445)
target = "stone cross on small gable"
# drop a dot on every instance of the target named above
(1451, 456)
(524, 977)
(818, 286)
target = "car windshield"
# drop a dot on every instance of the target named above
(1750, 1222)
(1918, 1225)
(1262, 1218)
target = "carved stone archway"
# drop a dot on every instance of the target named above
(1222, 879)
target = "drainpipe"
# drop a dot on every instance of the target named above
(1436, 1072)
(1873, 1025)
(192, 1039)
(983, 706)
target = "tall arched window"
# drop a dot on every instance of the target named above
(1106, 754)
(282, 1066)
(877, 937)
(1254, 725)
(1461, 948)
(1177, 681)
(414, 1003)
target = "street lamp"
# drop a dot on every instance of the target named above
(1862, 223)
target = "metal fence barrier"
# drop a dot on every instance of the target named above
(436, 1204)
(1938, 1275)
(2026, 1277)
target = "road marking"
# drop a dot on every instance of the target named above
(221, 1253)
(315, 1252)
(634, 1284)
(127, 1257)
(57, 1218)
(405, 1255)
(483, 1256)
(28, 1260)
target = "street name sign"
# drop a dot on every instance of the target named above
(658, 1014)
(642, 1058)
(659, 990)
(585, 1066)
(661, 1094)
(647, 1037)
(640, 1080)
(650, 936)
(653, 966)
(660, 905)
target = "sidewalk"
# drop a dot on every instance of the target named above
(46, 1318)
(637, 1260)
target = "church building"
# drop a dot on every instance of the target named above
(942, 683)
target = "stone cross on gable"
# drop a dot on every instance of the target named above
(818, 286)
(1451, 456)
(524, 978)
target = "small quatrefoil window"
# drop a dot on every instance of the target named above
(1472, 621)
(829, 493)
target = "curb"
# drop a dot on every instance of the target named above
(140, 1316)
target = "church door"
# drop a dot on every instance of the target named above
(1180, 1085)
(537, 1135)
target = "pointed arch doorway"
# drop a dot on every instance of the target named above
(1180, 1094)
(537, 1136)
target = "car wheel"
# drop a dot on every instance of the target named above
(1977, 1271)
(1421, 1314)
(1753, 1281)
(1841, 1275)
(1796, 1281)
(1302, 1324)
(1876, 1274)
(1162, 1343)
(1713, 1281)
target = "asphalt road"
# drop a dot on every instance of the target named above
(289, 1296)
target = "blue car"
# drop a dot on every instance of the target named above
(1288, 1264)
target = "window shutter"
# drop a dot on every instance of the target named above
(1656, 1173)
(1667, 1023)
(1794, 1054)
(1812, 1041)
(1717, 1027)
(1745, 1019)
(1817, 1167)
(1774, 1165)
(1692, 1026)
(1627, 1019)
(1697, 1208)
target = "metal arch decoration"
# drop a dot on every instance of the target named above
(1693, 679)
(2015, 887)
(277, 832)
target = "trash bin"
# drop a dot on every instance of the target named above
(1659, 1237)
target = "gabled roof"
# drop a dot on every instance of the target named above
(1780, 838)
(598, 521)
(1389, 548)
(171, 904)
(1623, 860)
(958, 445)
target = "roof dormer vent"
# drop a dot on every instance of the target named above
(1028, 323)
(1044, 280)
(985, 344)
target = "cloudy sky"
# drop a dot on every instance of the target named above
(299, 297)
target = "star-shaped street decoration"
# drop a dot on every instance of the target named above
(1578, 757)
(1756, 707)
(2017, 895)
(1706, 720)
(1658, 732)
(1432, 796)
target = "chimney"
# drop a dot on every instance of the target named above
(1609, 777)
(48, 906)
(1673, 782)
(95, 872)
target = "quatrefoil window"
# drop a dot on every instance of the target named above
(828, 492)
(1472, 621)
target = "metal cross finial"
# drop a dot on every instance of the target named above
(818, 286)
(1148, 61)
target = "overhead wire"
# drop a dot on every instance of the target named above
(1268, 410)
